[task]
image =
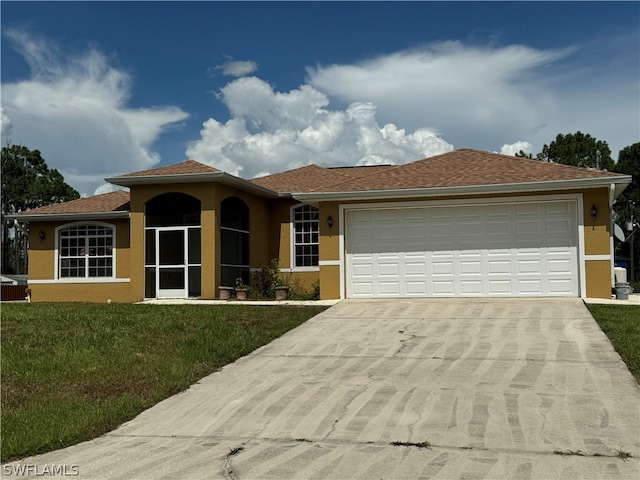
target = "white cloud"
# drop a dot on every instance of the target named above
(273, 131)
(488, 93)
(6, 125)
(74, 110)
(478, 97)
(237, 68)
(106, 188)
(513, 148)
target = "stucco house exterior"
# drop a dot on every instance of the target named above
(464, 223)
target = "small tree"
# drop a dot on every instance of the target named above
(578, 149)
(27, 183)
(523, 154)
(628, 204)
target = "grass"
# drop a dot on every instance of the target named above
(621, 323)
(71, 372)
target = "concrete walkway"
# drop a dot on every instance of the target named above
(450, 389)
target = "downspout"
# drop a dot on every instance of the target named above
(612, 193)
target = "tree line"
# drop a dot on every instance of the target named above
(28, 183)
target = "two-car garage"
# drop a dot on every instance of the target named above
(526, 246)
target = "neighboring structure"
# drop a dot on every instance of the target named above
(464, 223)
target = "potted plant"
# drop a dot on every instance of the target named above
(280, 289)
(242, 289)
(282, 292)
(225, 292)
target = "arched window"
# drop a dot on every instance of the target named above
(234, 239)
(86, 251)
(305, 241)
(172, 210)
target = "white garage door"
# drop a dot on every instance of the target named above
(509, 250)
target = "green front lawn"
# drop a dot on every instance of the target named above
(621, 323)
(71, 372)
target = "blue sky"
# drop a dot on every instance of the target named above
(105, 88)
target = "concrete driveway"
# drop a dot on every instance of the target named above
(382, 389)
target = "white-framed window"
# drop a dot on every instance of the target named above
(85, 251)
(305, 237)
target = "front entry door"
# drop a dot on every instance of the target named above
(172, 262)
(172, 259)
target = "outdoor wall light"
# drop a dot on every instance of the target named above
(330, 221)
(42, 235)
(594, 211)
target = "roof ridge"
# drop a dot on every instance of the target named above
(174, 169)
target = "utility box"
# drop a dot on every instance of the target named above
(620, 273)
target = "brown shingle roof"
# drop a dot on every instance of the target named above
(463, 167)
(117, 201)
(313, 176)
(183, 168)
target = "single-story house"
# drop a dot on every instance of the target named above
(464, 223)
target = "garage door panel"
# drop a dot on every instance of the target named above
(388, 269)
(442, 268)
(496, 229)
(471, 287)
(417, 288)
(416, 269)
(499, 267)
(470, 268)
(480, 250)
(500, 287)
(443, 288)
(527, 209)
(530, 287)
(560, 266)
(529, 267)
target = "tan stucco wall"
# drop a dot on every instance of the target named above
(280, 245)
(598, 274)
(329, 251)
(42, 265)
(597, 232)
(82, 292)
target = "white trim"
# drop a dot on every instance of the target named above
(581, 249)
(56, 257)
(461, 202)
(329, 263)
(222, 177)
(597, 257)
(75, 280)
(341, 250)
(545, 186)
(78, 217)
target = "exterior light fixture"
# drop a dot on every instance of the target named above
(594, 211)
(330, 221)
(42, 235)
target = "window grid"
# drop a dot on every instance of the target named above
(306, 229)
(86, 251)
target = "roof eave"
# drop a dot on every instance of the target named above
(221, 177)
(620, 183)
(52, 217)
(127, 181)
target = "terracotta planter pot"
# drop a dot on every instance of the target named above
(241, 293)
(225, 293)
(282, 293)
